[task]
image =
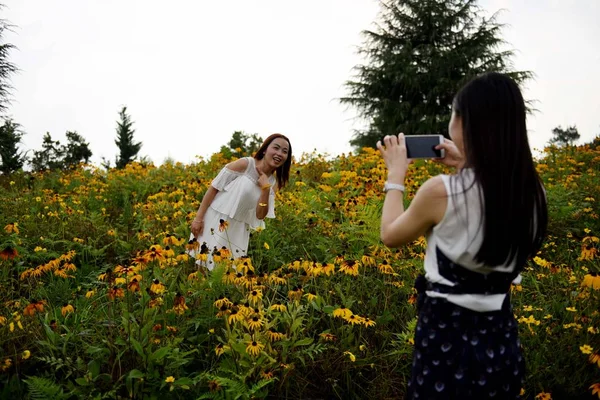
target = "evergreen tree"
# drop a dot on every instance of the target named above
(421, 53)
(50, 157)
(241, 145)
(57, 156)
(10, 137)
(76, 151)
(128, 149)
(564, 137)
(7, 69)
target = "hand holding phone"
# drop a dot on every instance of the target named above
(424, 146)
(393, 151)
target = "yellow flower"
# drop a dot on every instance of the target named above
(311, 296)
(328, 337)
(255, 296)
(274, 336)
(223, 225)
(354, 319)
(595, 389)
(26, 354)
(254, 348)
(368, 322)
(90, 293)
(221, 301)
(170, 379)
(592, 281)
(595, 359)
(220, 349)
(67, 309)
(235, 316)
(266, 245)
(2, 320)
(586, 349)
(157, 287)
(342, 312)
(571, 309)
(350, 355)
(12, 228)
(255, 322)
(588, 252)
(278, 307)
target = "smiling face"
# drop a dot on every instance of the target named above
(277, 152)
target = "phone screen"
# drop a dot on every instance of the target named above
(422, 146)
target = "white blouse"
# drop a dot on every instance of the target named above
(459, 236)
(239, 193)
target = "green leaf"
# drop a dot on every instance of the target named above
(160, 354)
(184, 381)
(303, 342)
(135, 374)
(137, 346)
(328, 309)
(81, 382)
(94, 368)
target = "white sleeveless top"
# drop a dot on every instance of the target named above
(459, 236)
(239, 193)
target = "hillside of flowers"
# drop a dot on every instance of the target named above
(99, 300)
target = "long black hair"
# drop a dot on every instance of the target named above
(514, 209)
(282, 172)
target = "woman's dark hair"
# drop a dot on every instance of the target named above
(514, 207)
(283, 172)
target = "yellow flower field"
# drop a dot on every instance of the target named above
(98, 298)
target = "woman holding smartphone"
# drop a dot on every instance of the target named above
(482, 224)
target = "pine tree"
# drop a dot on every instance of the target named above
(127, 147)
(50, 157)
(565, 137)
(421, 53)
(7, 69)
(241, 145)
(10, 137)
(76, 151)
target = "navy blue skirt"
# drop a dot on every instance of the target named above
(464, 354)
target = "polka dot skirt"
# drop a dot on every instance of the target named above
(464, 354)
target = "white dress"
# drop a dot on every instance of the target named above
(235, 203)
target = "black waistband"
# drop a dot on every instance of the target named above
(465, 281)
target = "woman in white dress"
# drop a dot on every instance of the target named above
(239, 199)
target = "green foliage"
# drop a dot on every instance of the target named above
(10, 137)
(108, 231)
(7, 68)
(241, 145)
(564, 137)
(55, 156)
(77, 150)
(421, 53)
(128, 148)
(44, 389)
(50, 157)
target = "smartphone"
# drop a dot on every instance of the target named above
(423, 146)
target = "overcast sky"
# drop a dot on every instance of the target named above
(193, 72)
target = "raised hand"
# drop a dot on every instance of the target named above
(453, 157)
(394, 155)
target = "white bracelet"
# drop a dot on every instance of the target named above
(393, 186)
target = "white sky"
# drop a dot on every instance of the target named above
(193, 72)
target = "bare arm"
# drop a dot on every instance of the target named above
(262, 208)
(198, 222)
(427, 209)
